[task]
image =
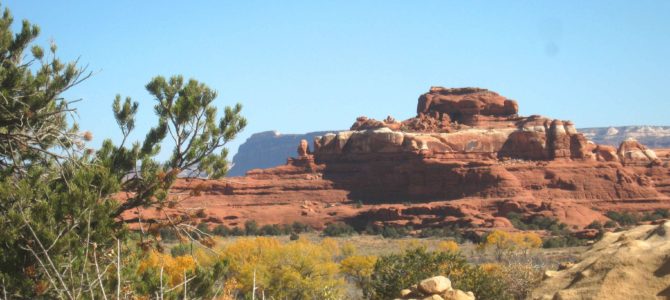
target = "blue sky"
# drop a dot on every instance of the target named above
(300, 66)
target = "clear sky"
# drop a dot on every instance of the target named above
(300, 66)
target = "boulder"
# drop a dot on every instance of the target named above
(405, 292)
(435, 288)
(435, 285)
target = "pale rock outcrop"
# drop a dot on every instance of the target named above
(631, 152)
(632, 264)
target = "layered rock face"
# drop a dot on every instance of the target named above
(270, 149)
(466, 159)
(395, 161)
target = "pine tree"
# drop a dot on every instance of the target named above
(59, 214)
(33, 114)
(187, 115)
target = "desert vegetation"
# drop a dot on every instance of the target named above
(315, 266)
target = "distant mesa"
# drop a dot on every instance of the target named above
(267, 149)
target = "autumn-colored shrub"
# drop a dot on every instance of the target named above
(296, 270)
(504, 243)
(359, 270)
(448, 245)
(174, 269)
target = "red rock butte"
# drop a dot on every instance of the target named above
(466, 159)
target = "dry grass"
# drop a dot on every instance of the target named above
(377, 245)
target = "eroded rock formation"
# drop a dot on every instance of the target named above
(466, 159)
(460, 104)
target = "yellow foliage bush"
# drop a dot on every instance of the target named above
(347, 249)
(358, 266)
(359, 269)
(450, 246)
(294, 270)
(528, 240)
(491, 268)
(174, 268)
(504, 242)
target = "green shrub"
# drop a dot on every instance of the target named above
(250, 227)
(536, 223)
(657, 214)
(623, 218)
(395, 272)
(610, 224)
(298, 227)
(204, 228)
(236, 231)
(168, 234)
(391, 232)
(294, 236)
(338, 229)
(271, 230)
(595, 225)
(221, 230)
(181, 250)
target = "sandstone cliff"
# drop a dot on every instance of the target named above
(466, 159)
(270, 149)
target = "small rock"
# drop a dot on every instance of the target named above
(548, 274)
(434, 297)
(458, 295)
(435, 285)
(405, 292)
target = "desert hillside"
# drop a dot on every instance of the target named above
(631, 264)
